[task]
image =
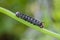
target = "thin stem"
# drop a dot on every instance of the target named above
(12, 15)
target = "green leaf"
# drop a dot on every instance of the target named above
(12, 15)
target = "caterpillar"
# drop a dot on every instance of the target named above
(29, 19)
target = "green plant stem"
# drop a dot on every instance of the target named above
(12, 15)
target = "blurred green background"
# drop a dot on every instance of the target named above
(47, 11)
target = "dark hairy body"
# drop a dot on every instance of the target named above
(29, 19)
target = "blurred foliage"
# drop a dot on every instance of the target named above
(10, 26)
(56, 14)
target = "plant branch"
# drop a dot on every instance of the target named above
(12, 15)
